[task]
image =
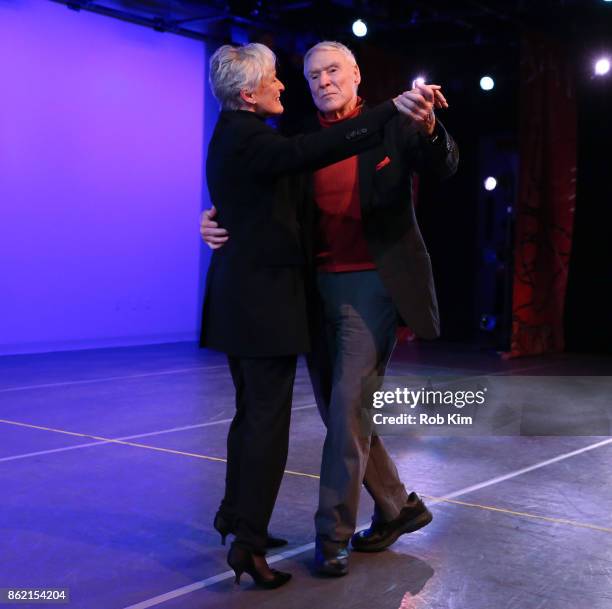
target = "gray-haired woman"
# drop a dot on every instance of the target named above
(255, 308)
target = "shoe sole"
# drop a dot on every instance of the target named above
(422, 520)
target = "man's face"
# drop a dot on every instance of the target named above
(333, 81)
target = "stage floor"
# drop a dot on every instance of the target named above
(112, 467)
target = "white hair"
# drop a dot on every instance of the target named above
(330, 45)
(236, 68)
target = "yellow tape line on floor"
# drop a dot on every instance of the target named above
(305, 475)
(137, 445)
(524, 514)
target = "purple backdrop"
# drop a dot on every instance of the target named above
(101, 165)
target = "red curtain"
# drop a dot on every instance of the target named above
(546, 198)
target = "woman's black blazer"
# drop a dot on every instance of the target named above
(255, 303)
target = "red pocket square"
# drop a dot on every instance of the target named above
(384, 162)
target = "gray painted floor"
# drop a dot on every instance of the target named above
(124, 523)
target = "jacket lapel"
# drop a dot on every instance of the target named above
(366, 166)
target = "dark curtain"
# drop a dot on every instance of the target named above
(547, 194)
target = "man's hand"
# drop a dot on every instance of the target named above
(212, 235)
(419, 103)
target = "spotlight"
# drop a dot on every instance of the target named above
(486, 83)
(360, 29)
(488, 322)
(602, 66)
(490, 183)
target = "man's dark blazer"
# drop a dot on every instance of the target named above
(255, 303)
(389, 222)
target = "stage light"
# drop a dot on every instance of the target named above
(602, 66)
(360, 29)
(486, 83)
(490, 183)
(488, 322)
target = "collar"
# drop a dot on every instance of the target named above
(241, 113)
(327, 122)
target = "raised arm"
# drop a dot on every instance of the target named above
(269, 153)
(434, 151)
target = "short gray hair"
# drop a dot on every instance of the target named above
(234, 68)
(330, 45)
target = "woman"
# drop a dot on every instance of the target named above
(255, 307)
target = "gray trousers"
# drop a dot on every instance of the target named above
(358, 340)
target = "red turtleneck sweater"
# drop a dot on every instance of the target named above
(341, 245)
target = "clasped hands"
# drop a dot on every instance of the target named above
(418, 104)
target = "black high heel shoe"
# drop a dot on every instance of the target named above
(224, 527)
(241, 560)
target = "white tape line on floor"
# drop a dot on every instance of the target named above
(205, 583)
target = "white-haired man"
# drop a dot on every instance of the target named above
(371, 264)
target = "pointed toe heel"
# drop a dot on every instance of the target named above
(241, 560)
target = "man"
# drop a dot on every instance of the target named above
(371, 265)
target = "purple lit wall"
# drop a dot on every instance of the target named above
(101, 165)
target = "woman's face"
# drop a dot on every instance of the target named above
(267, 95)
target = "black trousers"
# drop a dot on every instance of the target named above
(257, 444)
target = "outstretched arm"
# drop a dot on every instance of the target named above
(267, 153)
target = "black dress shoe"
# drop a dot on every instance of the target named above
(224, 526)
(333, 563)
(413, 516)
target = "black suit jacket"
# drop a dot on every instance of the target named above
(390, 226)
(255, 301)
